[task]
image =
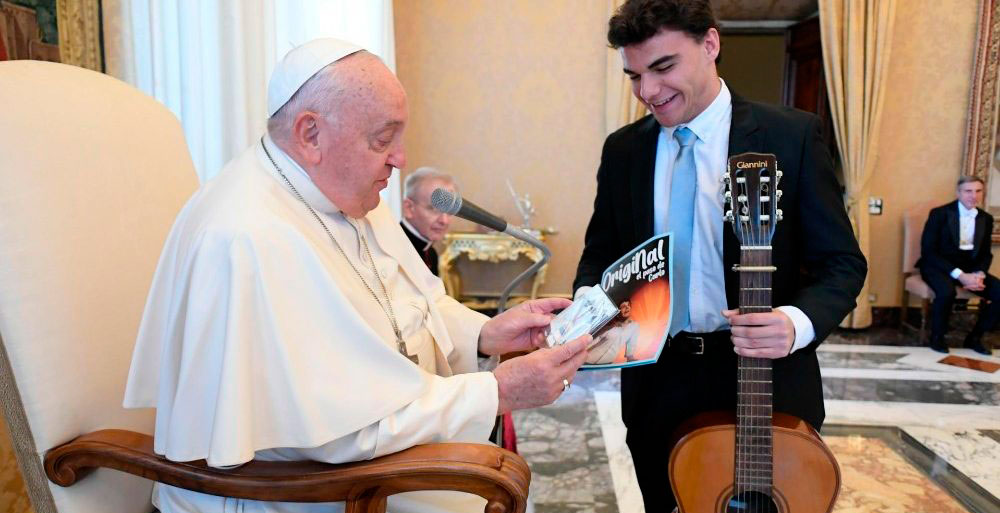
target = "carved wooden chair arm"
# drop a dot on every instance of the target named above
(499, 476)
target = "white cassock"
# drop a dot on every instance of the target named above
(259, 341)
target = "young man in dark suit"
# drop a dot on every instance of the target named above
(662, 173)
(955, 250)
(423, 224)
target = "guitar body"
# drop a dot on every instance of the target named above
(806, 477)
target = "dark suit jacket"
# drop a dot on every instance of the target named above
(820, 267)
(939, 243)
(429, 256)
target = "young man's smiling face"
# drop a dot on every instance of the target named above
(674, 74)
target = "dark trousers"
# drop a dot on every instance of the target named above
(690, 384)
(943, 286)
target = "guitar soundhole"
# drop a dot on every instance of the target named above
(751, 502)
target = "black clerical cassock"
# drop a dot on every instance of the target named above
(424, 248)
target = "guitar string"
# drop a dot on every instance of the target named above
(743, 383)
(763, 279)
(738, 227)
(757, 366)
(741, 419)
(749, 361)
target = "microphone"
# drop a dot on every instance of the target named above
(452, 204)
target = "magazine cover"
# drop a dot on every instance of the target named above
(628, 314)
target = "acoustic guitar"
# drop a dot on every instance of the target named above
(752, 460)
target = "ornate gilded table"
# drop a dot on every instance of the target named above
(492, 248)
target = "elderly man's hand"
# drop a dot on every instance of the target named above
(761, 335)
(973, 281)
(536, 379)
(521, 328)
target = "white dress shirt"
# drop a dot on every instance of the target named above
(966, 226)
(966, 232)
(707, 294)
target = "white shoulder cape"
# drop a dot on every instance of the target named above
(248, 341)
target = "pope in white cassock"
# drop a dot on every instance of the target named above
(291, 319)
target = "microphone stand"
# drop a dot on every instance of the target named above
(452, 204)
(546, 254)
(519, 234)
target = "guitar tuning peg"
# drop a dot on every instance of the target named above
(778, 215)
(729, 216)
(778, 173)
(725, 179)
(778, 193)
(729, 196)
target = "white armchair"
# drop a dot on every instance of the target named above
(92, 174)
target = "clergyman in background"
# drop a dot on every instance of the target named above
(423, 224)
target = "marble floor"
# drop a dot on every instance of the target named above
(911, 434)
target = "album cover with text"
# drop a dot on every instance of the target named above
(628, 313)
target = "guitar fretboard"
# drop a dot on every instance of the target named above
(754, 447)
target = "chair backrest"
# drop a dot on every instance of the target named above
(92, 174)
(914, 219)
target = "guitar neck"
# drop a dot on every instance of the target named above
(754, 446)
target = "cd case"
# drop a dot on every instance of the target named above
(587, 314)
(627, 313)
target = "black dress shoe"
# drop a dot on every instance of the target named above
(975, 342)
(937, 344)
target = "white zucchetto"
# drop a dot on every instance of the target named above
(300, 64)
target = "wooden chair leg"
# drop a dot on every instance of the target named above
(368, 503)
(901, 321)
(925, 311)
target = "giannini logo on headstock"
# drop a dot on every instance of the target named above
(751, 165)
(751, 196)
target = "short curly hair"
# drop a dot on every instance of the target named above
(638, 20)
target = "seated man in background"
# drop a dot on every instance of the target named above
(955, 250)
(290, 318)
(423, 224)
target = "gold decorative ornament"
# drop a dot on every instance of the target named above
(79, 24)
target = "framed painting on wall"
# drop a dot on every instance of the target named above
(67, 31)
(982, 142)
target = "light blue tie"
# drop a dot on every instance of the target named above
(680, 220)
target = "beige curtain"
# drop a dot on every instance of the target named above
(856, 36)
(209, 62)
(620, 105)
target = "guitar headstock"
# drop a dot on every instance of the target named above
(752, 196)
